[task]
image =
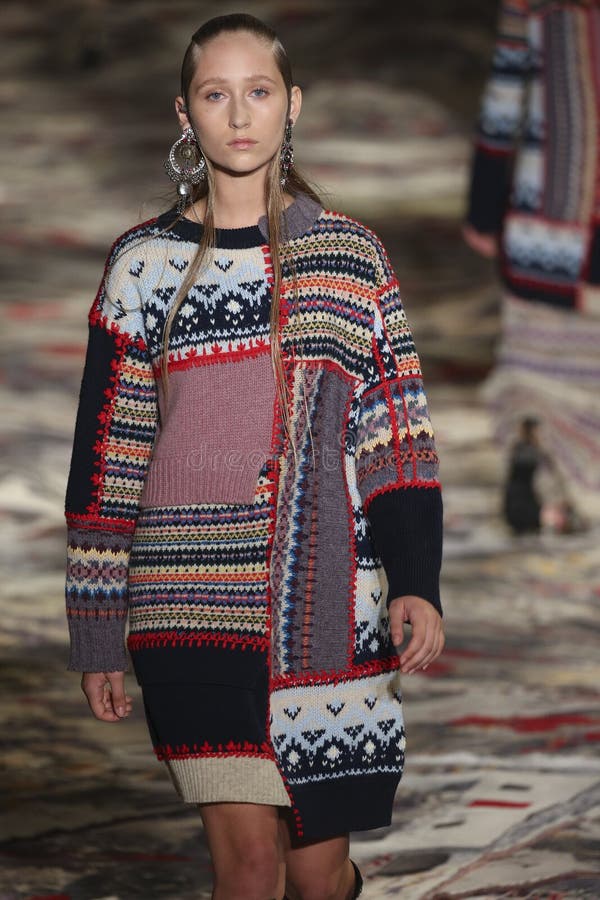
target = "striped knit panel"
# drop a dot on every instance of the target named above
(330, 316)
(570, 116)
(198, 574)
(593, 53)
(114, 433)
(313, 518)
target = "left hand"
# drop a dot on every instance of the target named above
(427, 641)
(486, 245)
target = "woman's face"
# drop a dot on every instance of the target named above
(238, 103)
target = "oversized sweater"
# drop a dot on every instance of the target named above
(535, 178)
(350, 523)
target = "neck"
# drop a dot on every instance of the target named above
(238, 202)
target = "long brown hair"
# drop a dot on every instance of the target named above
(295, 184)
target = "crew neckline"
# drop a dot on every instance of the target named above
(226, 238)
(299, 218)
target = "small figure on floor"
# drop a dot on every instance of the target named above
(522, 506)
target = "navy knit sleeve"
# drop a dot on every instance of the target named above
(116, 422)
(500, 119)
(396, 458)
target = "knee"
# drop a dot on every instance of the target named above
(252, 872)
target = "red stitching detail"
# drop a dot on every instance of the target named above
(208, 751)
(418, 376)
(365, 670)
(493, 151)
(140, 640)
(568, 290)
(105, 418)
(424, 485)
(99, 523)
(192, 358)
(333, 366)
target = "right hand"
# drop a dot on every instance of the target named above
(484, 244)
(105, 694)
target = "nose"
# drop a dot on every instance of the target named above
(239, 114)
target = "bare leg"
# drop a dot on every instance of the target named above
(318, 871)
(245, 849)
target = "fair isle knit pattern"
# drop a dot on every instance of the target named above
(197, 520)
(535, 171)
(224, 602)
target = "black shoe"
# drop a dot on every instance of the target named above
(358, 882)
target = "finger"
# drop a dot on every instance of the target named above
(426, 651)
(117, 693)
(396, 623)
(415, 646)
(95, 696)
(439, 646)
(432, 656)
(398, 634)
(108, 700)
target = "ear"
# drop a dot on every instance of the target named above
(181, 110)
(295, 103)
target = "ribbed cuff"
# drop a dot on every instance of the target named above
(406, 524)
(97, 646)
(228, 779)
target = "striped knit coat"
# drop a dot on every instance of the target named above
(535, 176)
(348, 525)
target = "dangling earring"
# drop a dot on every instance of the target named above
(287, 153)
(185, 166)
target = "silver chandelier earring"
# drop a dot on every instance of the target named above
(287, 153)
(185, 166)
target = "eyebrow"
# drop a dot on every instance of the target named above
(224, 80)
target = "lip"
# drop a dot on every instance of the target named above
(242, 143)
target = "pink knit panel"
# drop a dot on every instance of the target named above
(217, 435)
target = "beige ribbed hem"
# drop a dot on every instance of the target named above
(231, 780)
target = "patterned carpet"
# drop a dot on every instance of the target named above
(501, 792)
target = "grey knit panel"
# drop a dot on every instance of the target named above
(97, 645)
(298, 218)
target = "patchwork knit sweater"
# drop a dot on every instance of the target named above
(535, 176)
(315, 545)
